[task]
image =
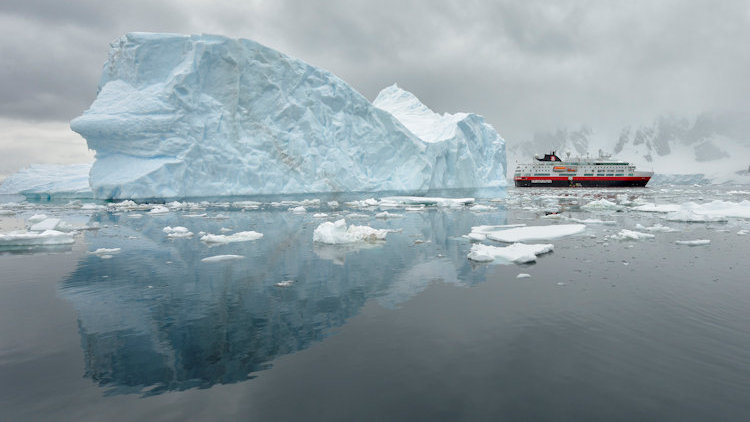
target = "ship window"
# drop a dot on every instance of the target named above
(588, 174)
(541, 174)
(619, 174)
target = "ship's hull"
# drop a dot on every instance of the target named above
(583, 182)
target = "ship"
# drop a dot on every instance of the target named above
(551, 171)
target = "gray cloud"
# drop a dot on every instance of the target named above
(526, 66)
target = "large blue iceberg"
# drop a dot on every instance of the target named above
(205, 115)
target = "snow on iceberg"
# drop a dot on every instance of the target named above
(531, 233)
(205, 115)
(518, 252)
(337, 233)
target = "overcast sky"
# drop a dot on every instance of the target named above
(524, 65)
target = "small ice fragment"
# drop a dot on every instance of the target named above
(36, 218)
(518, 252)
(159, 209)
(236, 237)
(742, 232)
(386, 214)
(320, 215)
(285, 283)
(698, 242)
(223, 230)
(177, 232)
(601, 205)
(333, 204)
(102, 252)
(45, 238)
(298, 210)
(338, 233)
(46, 224)
(523, 275)
(625, 234)
(480, 207)
(221, 258)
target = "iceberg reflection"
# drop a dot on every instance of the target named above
(154, 318)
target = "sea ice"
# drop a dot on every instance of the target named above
(236, 237)
(45, 238)
(698, 242)
(625, 234)
(221, 258)
(386, 214)
(159, 209)
(46, 224)
(338, 233)
(177, 232)
(523, 275)
(205, 115)
(656, 228)
(285, 283)
(518, 252)
(601, 205)
(531, 233)
(428, 201)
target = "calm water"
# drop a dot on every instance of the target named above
(406, 329)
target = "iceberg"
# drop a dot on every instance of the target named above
(45, 179)
(205, 115)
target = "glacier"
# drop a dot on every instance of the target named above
(205, 115)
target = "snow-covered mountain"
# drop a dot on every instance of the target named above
(204, 115)
(710, 148)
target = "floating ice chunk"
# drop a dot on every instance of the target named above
(105, 251)
(45, 238)
(320, 215)
(338, 233)
(719, 208)
(37, 218)
(625, 234)
(298, 210)
(698, 242)
(427, 201)
(742, 232)
(415, 209)
(177, 232)
(531, 233)
(479, 233)
(333, 204)
(656, 228)
(7, 212)
(236, 237)
(285, 283)
(593, 221)
(247, 205)
(651, 207)
(518, 252)
(601, 205)
(523, 275)
(221, 258)
(159, 209)
(690, 216)
(386, 214)
(480, 208)
(93, 207)
(357, 215)
(46, 224)
(195, 215)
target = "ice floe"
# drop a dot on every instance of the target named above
(690, 216)
(625, 234)
(479, 233)
(518, 252)
(523, 275)
(221, 258)
(285, 283)
(177, 232)
(159, 209)
(601, 205)
(298, 210)
(532, 233)
(698, 242)
(386, 214)
(45, 238)
(656, 228)
(236, 237)
(335, 233)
